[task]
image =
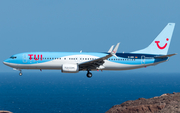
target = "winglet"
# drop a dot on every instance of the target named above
(110, 50)
(115, 50)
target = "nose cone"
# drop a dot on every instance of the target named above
(6, 62)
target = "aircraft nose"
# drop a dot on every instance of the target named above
(5, 62)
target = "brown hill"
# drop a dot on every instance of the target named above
(166, 103)
(5, 111)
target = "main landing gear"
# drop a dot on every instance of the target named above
(89, 74)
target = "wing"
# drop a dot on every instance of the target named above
(95, 64)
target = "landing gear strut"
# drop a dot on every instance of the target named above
(20, 74)
(89, 74)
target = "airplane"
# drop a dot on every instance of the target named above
(73, 62)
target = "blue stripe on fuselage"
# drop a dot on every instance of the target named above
(123, 58)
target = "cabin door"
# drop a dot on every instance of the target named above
(25, 58)
(143, 60)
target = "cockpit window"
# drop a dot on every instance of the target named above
(13, 57)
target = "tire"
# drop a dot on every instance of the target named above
(89, 75)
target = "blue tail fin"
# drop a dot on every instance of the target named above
(160, 44)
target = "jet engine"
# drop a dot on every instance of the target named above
(70, 68)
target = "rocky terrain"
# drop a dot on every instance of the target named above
(166, 103)
(5, 111)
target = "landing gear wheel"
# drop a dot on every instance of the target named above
(20, 74)
(89, 75)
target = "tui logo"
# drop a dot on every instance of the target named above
(35, 57)
(163, 47)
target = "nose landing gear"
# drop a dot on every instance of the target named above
(20, 73)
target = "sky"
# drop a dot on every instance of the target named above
(87, 25)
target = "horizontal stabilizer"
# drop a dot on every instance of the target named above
(164, 56)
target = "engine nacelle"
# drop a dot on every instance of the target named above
(70, 68)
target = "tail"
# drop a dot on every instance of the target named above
(160, 44)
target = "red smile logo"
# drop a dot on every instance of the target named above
(157, 42)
